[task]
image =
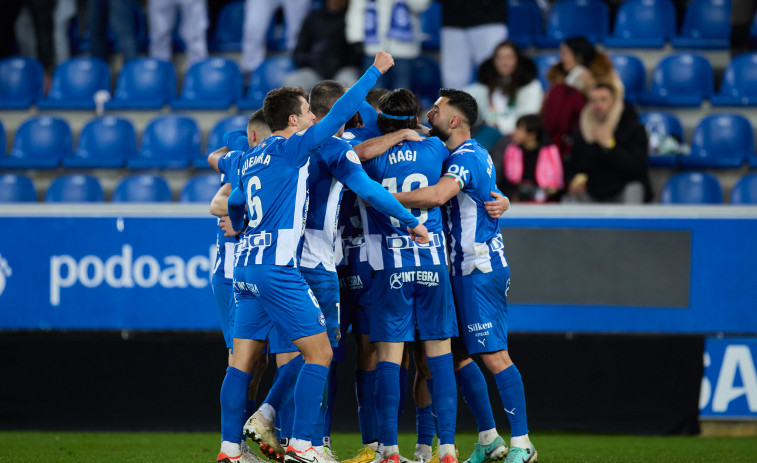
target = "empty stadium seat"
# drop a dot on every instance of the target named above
(75, 82)
(680, 80)
(75, 189)
(524, 22)
(692, 188)
(427, 80)
(16, 189)
(200, 189)
(745, 190)
(229, 26)
(104, 142)
(632, 73)
(213, 83)
(706, 25)
(142, 188)
(144, 83)
(571, 18)
(643, 24)
(21, 82)
(720, 141)
(431, 25)
(40, 143)
(739, 87)
(168, 142)
(543, 64)
(658, 126)
(269, 75)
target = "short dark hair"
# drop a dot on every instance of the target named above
(531, 123)
(463, 102)
(374, 95)
(607, 86)
(398, 103)
(324, 95)
(257, 118)
(279, 104)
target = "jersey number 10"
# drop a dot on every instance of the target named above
(391, 185)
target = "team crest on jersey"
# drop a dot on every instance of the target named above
(5, 273)
(348, 136)
(321, 319)
(315, 301)
(352, 156)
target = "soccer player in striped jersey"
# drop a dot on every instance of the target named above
(411, 286)
(480, 276)
(268, 285)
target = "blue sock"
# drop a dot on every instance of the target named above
(286, 377)
(330, 399)
(233, 401)
(308, 395)
(387, 401)
(286, 417)
(513, 397)
(252, 405)
(403, 390)
(320, 425)
(430, 386)
(424, 425)
(476, 394)
(365, 386)
(444, 398)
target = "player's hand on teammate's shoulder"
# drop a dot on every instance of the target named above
(497, 206)
(419, 234)
(423, 130)
(383, 61)
(411, 135)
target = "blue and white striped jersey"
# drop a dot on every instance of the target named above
(405, 167)
(475, 239)
(228, 165)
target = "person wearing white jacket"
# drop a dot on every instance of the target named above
(392, 26)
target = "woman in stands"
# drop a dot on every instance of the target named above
(507, 89)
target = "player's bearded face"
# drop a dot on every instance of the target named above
(437, 131)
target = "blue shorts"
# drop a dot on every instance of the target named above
(354, 294)
(222, 290)
(481, 301)
(325, 286)
(277, 300)
(410, 298)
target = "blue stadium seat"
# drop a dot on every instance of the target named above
(680, 80)
(431, 25)
(427, 80)
(213, 83)
(543, 64)
(572, 18)
(21, 82)
(643, 24)
(229, 26)
(104, 142)
(692, 188)
(142, 188)
(215, 139)
(16, 189)
(739, 87)
(40, 143)
(75, 82)
(75, 189)
(168, 142)
(269, 75)
(658, 126)
(720, 141)
(524, 22)
(200, 189)
(632, 73)
(144, 83)
(706, 25)
(745, 190)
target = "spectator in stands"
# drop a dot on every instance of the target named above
(470, 31)
(161, 16)
(257, 17)
(322, 51)
(609, 157)
(392, 26)
(742, 14)
(119, 14)
(42, 16)
(533, 169)
(507, 89)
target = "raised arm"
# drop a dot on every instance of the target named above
(380, 199)
(215, 156)
(375, 147)
(430, 196)
(219, 205)
(236, 140)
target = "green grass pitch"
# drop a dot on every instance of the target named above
(85, 447)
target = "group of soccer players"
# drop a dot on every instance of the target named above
(409, 251)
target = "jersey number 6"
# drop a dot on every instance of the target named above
(253, 202)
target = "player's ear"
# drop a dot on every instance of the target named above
(455, 122)
(293, 120)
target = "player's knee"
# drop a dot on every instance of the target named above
(496, 361)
